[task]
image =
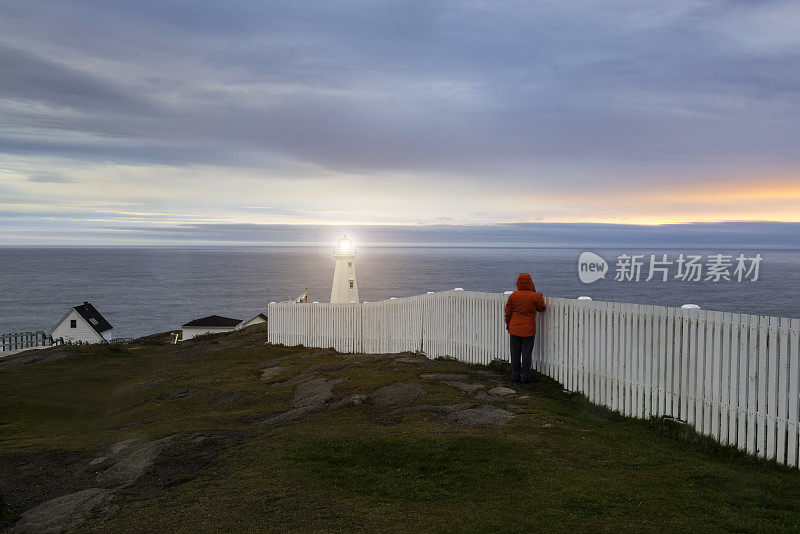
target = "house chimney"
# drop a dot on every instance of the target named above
(85, 303)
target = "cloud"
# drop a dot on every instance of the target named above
(710, 236)
(29, 77)
(762, 27)
(49, 179)
(547, 100)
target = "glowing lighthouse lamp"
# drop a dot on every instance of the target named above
(345, 288)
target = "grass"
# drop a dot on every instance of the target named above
(562, 465)
(6, 517)
(413, 468)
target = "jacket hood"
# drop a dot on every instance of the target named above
(524, 281)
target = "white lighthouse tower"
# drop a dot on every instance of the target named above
(345, 288)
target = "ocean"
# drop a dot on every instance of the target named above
(146, 290)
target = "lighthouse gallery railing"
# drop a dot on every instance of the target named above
(732, 377)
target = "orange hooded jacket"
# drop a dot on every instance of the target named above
(522, 306)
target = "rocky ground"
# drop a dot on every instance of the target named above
(228, 433)
(98, 480)
(313, 390)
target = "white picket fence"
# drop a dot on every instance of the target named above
(732, 377)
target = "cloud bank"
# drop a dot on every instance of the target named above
(121, 113)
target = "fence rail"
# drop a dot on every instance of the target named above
(732, 377)
(29, 340)
(23, 340)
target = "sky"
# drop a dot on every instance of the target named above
(180, 122)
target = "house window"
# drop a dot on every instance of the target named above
(73, 323)
(349, 263)
(351, 284)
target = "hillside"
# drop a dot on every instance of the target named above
(227, 433)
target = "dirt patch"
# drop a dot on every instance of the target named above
(62, 513)
(502, 392)
(458, 381)
(54, 492)
(130, 459)
(295, 414)
(350, 400)
(273, 369)
(396, 394)
(182, 460)
(271, 372)
(28, 480)
(115, 450)
(299, 379)
(315, 392)
(312, 395)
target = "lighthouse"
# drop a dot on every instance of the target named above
(345, 288)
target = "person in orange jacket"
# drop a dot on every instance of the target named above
(521, 311)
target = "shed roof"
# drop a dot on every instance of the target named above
(214, 320)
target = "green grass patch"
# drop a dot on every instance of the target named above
(411, 468)
(562, 465)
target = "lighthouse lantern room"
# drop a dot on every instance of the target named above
(345, 288)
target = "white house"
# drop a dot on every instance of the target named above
(258, 319)
(82, 324)
(213, 324)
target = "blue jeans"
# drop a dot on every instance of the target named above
(521, 348)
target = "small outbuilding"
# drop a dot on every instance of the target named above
(258, 319)
(213, 324)
(82, 324)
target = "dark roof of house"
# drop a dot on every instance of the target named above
(214, 320)
(93, 317)
(259, 315)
